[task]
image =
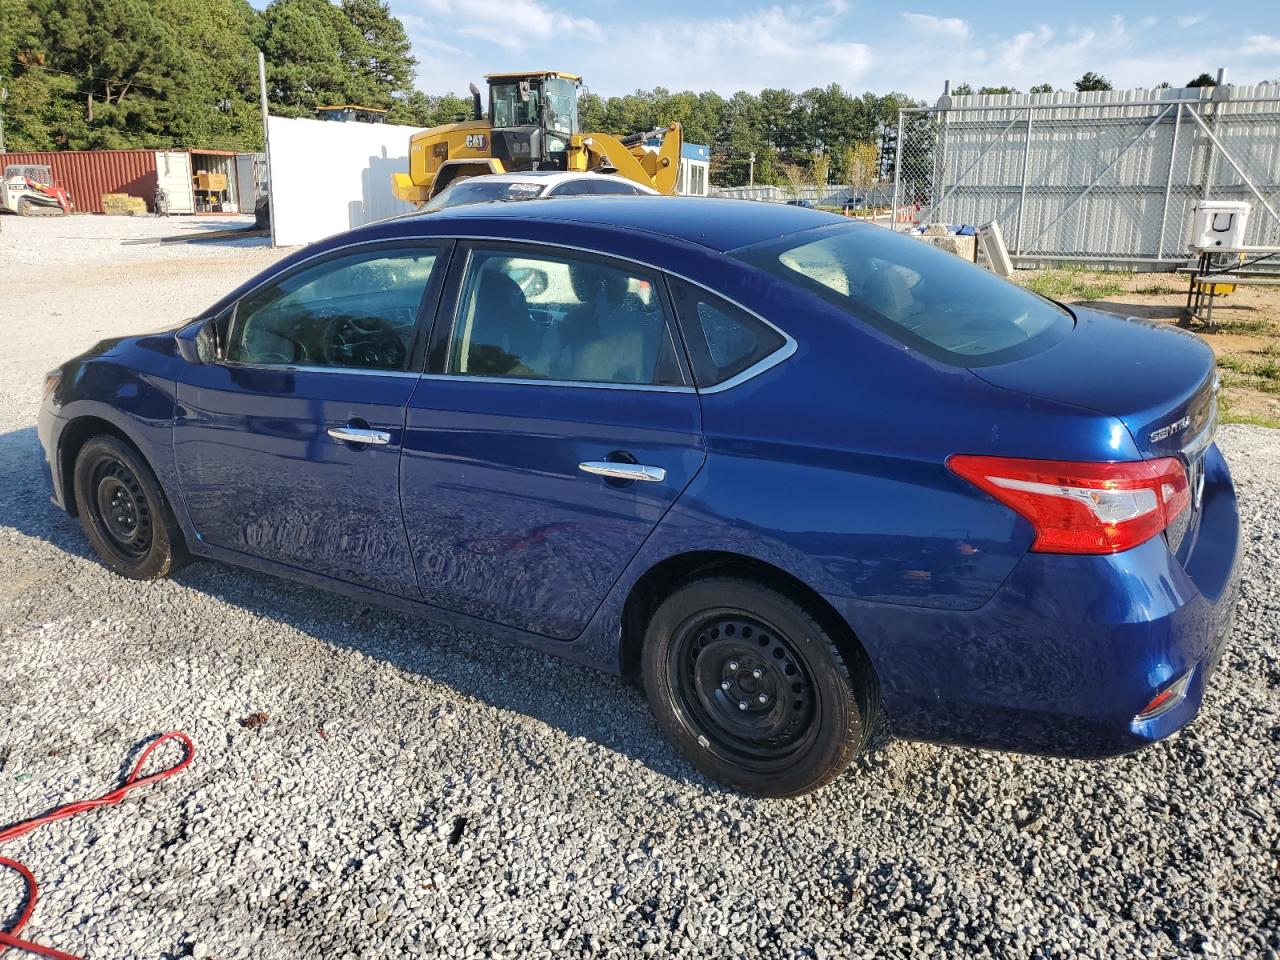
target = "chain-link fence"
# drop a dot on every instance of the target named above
(1106, 177)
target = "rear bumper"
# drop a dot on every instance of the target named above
(1070, 649)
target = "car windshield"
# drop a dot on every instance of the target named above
(931, 300)
(482, 191)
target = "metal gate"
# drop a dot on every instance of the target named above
(1107, 177)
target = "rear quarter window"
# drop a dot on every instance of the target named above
(933, 301)
(723, 340)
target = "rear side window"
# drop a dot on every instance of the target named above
(609, 185)
(723, 340)
(933, 301)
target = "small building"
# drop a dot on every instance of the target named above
(695, 170)
(694, 179)
(349, 112)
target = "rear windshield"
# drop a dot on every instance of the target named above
(931, 300)
(483, 191)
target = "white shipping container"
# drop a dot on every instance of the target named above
(173, 174)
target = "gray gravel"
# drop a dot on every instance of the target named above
(418, 792)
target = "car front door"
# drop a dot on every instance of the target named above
(288, 447)
(555, 426)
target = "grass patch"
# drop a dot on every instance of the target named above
(1268, 371)
(1238, 326)
(1156, 290)
(1272, 422)
(1074, 285)
(1230, 363)
(1270, 350)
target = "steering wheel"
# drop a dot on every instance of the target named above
(363, 341)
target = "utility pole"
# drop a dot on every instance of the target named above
(266, 141)
(4, 95)
(751, 170)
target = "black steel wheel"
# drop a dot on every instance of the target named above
(123, 511)
(752, 690)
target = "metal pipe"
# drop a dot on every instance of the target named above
(266, 141)
(977, 160)
(1081, 106)
(1168, 182)
(1096, 180)
(1236, 167)
(1022, 199)
(897, 171)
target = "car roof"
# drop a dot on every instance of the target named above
(714, 223)
(548, 177)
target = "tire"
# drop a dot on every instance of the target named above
(25, 207)
(750, 689)
(124, 512)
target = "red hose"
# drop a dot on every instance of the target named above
(9, 938)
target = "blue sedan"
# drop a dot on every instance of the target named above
(796, 473)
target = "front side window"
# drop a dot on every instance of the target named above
(356, 311)
(548, 317)
(934, 301)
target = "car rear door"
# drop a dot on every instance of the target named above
(556, 425)
(288, 447)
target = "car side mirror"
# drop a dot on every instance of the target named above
(197, 342)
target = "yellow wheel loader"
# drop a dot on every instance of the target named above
(532, 125)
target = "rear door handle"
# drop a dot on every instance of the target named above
(351, 434)
(623, 471)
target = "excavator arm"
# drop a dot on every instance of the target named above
(629, 158)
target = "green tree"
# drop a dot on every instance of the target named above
(962, 90)
(383, 62)
(999, 90)
(1204, 80)
(821, 167)
(1042, 88)
(312, 52)
(1093, 81)
(125, 58)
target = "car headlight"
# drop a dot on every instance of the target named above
(51, 381)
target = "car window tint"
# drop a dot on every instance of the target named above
(723, 340)
(609, 185)
(934, 301)
(355, 311)
(561, 318)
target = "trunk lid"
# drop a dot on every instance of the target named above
(1159, 381)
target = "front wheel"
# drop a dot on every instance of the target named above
(124, 513)
(752, 690)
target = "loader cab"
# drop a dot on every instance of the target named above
(532, 116)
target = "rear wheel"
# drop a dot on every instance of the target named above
(124, 513)
(752, 690)
(25, 207)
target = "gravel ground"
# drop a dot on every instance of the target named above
(415, 791)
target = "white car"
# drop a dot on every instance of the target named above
(531, 185)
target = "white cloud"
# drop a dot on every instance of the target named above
(1190, 20)
(949, 26)
(512, 24)
(1261, 45)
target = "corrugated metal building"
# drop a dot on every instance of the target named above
(88, 174)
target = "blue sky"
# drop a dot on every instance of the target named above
(726, 46)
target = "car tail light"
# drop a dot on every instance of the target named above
(1084, 507)
(1168, 698)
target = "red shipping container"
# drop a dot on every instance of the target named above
(88, 174)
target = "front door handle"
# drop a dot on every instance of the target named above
(349, 434)
(623, 471)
